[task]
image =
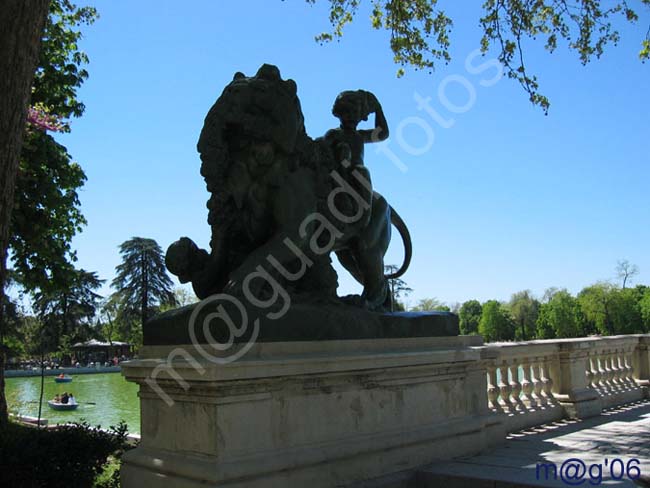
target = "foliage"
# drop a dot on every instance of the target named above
(524, 309)
(68, 312)
(107, 325)
(644, 309)
(70, 456)
(559, 317)
(12, 338)
(397, 288)
(142, 282)
(46, 208)
(470, 316)
(419, 31)
(60, 72)
(627, 313)
(430, 305)
(496, 324)
(110, 476)
(183, 298)
(611, 310)
(46, 214)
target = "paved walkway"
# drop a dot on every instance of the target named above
(606, 450)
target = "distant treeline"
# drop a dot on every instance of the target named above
(602, 308)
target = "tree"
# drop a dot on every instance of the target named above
(397, 288)
(626, 271)
(13, 340)
(183, 297)
(47, 214)
(106, 325)
(67, 313)
(430, 305)
(419, 31)
(21, 25)
(611, 310)
(596, 302)
(470, 316)
(524, 309)
(496, 324)
(558, 317)
(627, 316)
(142, 282)
(644, 308)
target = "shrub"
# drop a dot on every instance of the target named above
(69, 456)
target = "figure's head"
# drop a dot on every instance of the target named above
(351, 107)
(179, 258)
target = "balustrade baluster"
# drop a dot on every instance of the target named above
(515, 386)
(597, 371)
(589, 372)
(493, 390)
(547, 381)
(505, 389)
(527, 386)
(604, 374)
(611, 374)
(628, 377)
(617, 369)
(537, 383)
(620, 369)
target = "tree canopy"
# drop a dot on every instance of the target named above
(430, 305)
(524, 309)
(559, 317)
(420, 31)
(142, 283)
(469, 317)
(496, 323)
(47, 210)
(67, 313)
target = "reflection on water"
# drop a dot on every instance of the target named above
(104, 399)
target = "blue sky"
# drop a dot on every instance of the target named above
(504, 199)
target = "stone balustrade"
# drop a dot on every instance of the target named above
(333, 412)
(535, 382)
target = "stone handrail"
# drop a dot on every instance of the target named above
(535, 382)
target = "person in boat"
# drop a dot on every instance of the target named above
(71, 400)
(61, 376)
(64, 398)
(57, 399)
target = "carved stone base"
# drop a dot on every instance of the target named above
(316, 414)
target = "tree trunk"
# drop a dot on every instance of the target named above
(145, 289)
(21, 25)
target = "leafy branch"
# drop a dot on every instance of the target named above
(419, 31)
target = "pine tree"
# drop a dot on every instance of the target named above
(142, 282)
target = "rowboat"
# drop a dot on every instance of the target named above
(63, 379)
(62, 406)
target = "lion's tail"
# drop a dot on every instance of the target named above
(399, 224)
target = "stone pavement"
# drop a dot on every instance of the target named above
(607, 450)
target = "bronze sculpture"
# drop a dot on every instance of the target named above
(281, 202)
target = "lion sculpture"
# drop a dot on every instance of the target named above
(281, 202)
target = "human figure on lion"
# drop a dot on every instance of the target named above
(347, 143)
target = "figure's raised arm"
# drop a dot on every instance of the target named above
(380, 132)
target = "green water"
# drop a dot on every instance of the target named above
(115, 399)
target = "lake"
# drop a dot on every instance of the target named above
(104, 399)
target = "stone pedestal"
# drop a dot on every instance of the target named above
(572, 388)
(641, 364)
(306, 413)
